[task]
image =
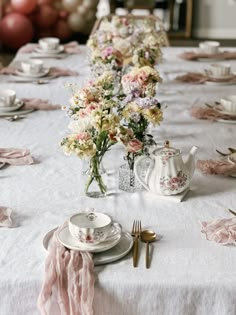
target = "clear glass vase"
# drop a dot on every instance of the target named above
(127, 180)
(95, 186)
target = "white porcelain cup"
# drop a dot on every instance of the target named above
(220, 70)
(90, 228)
(7, 98)
(49, 43)
(229, 103)
(209, 47)
(32, 66)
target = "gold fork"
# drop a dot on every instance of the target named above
(136, 231)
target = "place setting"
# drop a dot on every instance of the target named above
(222, 110)
(50, 47)
(92, 232)
(208, 51)
(216, 74)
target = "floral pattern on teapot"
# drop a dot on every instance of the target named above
(173, 183)
(165, 156)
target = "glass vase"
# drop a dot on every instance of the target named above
(95, 186)
(127, 179)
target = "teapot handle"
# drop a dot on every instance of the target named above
(136, 172)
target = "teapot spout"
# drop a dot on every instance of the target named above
(190, 163)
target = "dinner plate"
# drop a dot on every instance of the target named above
(6, 109)
(37, 75)
(49, 52)
(65, 238)
(227, 121)
(120, 250)
(17, 112)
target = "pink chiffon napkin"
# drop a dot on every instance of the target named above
(69, 48)
(68, 287)
(222, 231)
(216, 167)
(5, 217)
(210, 113)
(225, 55)
(38, 104)
(15, 156)
(54, 72)
(200, 78)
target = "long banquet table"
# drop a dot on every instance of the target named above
(189, 275)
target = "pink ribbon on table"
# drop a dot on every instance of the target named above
(38, 104)
(5, 217)
(222, 231)
(54, 72)
(68, 286)
(15, 156)
(200, 78)
(69, 48)
(216, 167)
(209, 113)
(225, 55)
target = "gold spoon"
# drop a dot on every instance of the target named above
(147, 237)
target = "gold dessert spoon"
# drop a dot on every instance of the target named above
(147, 237)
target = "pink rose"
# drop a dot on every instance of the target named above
(134, 146)
(82, 136)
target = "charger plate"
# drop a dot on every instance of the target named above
(119, 251)
(16, 112)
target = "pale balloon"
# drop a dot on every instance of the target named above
(70, 5)
(76, 22)
(82, 10)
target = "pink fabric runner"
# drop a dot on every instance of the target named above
(218, 167)
(5, 217)
(15, 156)
(225, 55)
(200, 78)
(209, 113)
(69, 48)
(220, 230)
(38, 104)
(54, 72)
(68, 287)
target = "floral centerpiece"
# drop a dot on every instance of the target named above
(94, 121)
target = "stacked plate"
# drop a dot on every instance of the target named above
(96, 233)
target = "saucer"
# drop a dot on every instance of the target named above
(226, 77)
(17, 112)
(57, 51)
(65, 238)
(222, 111)
(120, 250)
(17, 104)
(30, 75)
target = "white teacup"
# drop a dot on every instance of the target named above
(7, 98)
(209, 47)
(32, 66)
(90, 228)
(49, 43)
(229, 103)
(220, 70)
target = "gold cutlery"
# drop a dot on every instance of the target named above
(223, 154)
(29, 81)
(231, 211)
(15, 117)
(136, 231)
(147, 237)
(232, 150)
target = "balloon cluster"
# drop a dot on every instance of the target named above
(24, 20)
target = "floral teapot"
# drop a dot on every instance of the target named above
(167, 174)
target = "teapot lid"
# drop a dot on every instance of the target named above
(167, 150)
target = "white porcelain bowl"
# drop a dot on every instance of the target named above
(7, 98)
(90, 228)
(49, 43)
(219, 70)
(32, 66)
(229, 103)
(209, 47)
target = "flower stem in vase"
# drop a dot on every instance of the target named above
(95, 186)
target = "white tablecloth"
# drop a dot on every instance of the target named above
(189, 275)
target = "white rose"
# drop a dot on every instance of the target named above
(82, 124)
